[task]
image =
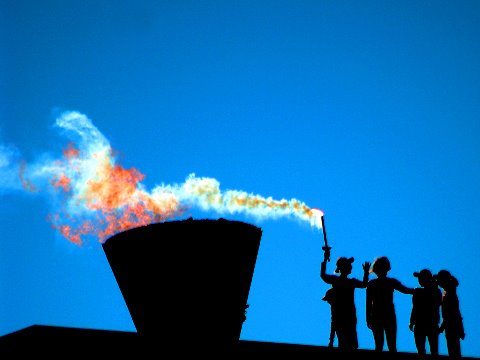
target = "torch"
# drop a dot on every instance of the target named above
(325, 248)
(319, 214)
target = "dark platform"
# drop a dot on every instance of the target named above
(64, 343)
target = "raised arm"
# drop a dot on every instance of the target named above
(323, 268)
(362, 284)
(366, 272)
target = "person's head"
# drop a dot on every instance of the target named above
(381, 266)
(344, 265)
(445, 279)
(424, 277)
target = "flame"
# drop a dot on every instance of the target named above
(62, 182)
(317, 215)
(113, 196)
(71, 152)
(100, 197)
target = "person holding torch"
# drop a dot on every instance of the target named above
(344, 314)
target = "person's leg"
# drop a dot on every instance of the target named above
(346, 335)
(420, 340)
(378, 336)
(453, 346)
(342, 339)
(354, 337)
(433, 342)
(391, 335)
(351, 339)
(332, 335)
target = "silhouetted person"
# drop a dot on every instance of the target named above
(381, 315)
(425, 315)
(452, 321)
(344, 314)
(329, 297)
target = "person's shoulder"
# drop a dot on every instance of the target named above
(394, 280)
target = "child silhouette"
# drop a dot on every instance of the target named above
(425, 315)
(452, 321)
(343, 310)
(380, 308)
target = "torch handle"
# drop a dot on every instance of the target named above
(325, 248)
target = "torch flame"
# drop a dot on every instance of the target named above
(317, 215)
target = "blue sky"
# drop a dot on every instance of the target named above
(367, 110)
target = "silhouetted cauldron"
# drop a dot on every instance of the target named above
(186, 283)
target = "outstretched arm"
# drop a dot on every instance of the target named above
(402, 288)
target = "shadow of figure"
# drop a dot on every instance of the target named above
(380, 308)
(425, 314)
(452, 321)
(343, 310)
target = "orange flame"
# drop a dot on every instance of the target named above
(113, 198)
(114, 187)
(62, 182)
(71, 152)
